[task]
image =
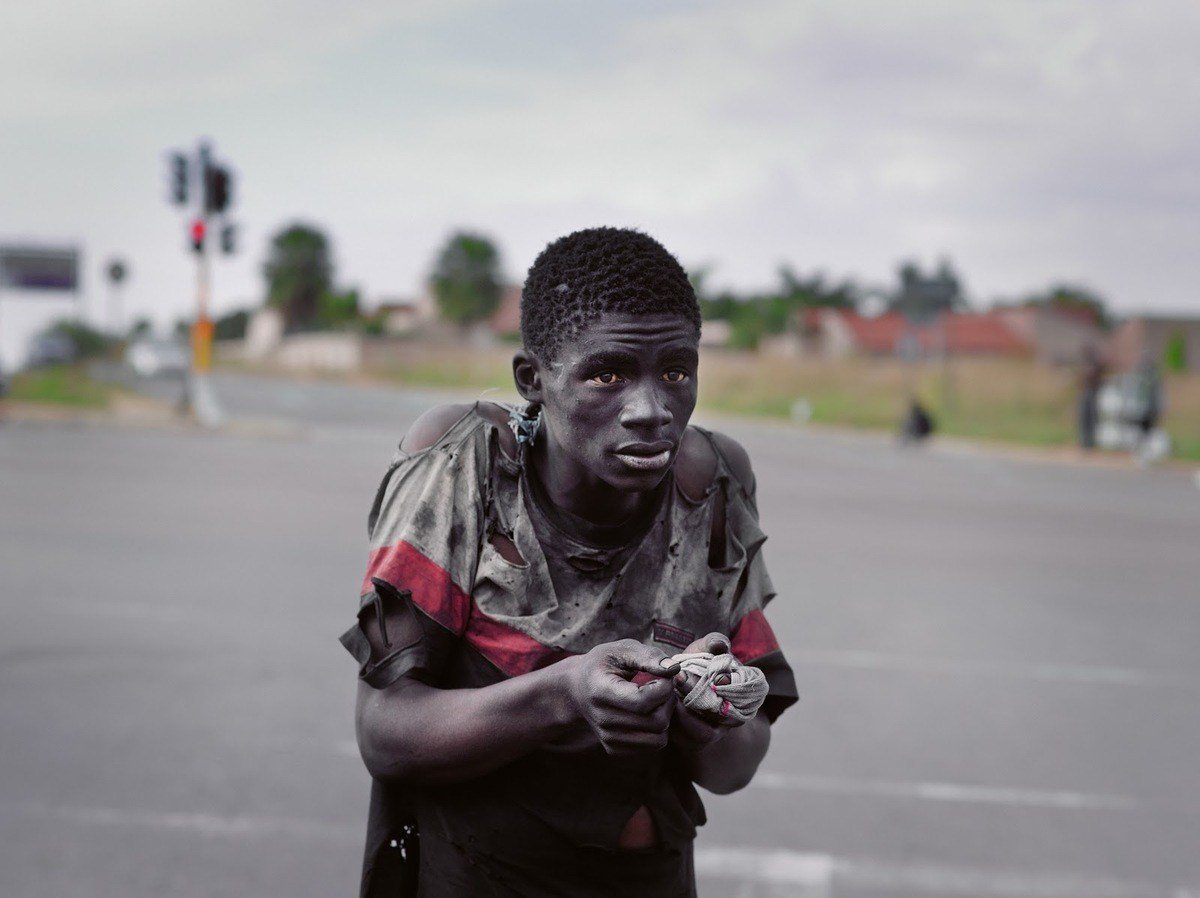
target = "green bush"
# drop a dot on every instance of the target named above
(1175, 354)
(88, 341)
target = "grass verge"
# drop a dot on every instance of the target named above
(65, 385)
(1003, 400)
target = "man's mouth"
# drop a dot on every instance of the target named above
(646, 456)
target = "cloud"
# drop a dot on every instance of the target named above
(1029, 141)
(78, 58)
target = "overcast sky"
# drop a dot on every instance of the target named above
(1029, 142)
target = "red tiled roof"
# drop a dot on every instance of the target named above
(966, 332)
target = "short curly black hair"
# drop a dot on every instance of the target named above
(579, 277)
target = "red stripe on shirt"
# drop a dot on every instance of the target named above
(511, 651)
(753, 638)
(406, 567)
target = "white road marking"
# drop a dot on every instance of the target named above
(760, 872)
(794, 873)
(200, 824)
(984, 882)
(947, 792)
(1100, 676)
(771, 872)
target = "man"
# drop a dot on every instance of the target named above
(1091, 379)
(530, 571)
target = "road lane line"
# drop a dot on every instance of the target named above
(772, 872)
(803, 874)
(858, 874)
(959, 793)
(1100, 676)
(200, 824)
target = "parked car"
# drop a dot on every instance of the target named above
(156, 358)
(50, 349)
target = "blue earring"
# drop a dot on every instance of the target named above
(525, 423)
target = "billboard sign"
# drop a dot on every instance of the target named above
(39, 267)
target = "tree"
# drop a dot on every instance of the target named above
(466, 278)
(299, 272)
(800, 292)
(1072, 297)
(87, 340)
(921, 297)
(338, 309)
(232, 326)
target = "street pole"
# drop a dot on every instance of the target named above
(203, 397)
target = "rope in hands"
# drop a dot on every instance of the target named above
(723, 687)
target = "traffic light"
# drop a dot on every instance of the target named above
(198, 230)
(229, 239)
(217, 184)
(179, 179)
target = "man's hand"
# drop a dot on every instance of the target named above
(689, 730)
(624, 717)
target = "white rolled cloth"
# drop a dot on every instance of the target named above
(739, 699)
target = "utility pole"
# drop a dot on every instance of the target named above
(214, 183)
(117, 270)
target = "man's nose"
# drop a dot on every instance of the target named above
(645, 408)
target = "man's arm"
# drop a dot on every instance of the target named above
(419, 733)
(722, 759)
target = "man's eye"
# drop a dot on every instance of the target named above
(606, 377)
(675, 376)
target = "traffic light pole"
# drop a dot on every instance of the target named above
(213, 185)
(201, 396)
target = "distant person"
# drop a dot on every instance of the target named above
(1091, 379)
(531, 569)
(1146, 389)
(917, 423)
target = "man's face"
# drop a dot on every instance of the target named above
(618, 398)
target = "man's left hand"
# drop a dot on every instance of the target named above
(690, 730)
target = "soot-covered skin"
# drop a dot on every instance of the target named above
(616, 401)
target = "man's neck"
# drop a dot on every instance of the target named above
(591, 500)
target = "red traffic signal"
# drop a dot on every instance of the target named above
(198, 230)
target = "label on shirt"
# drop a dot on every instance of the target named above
(675, 636)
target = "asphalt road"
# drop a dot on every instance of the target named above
(997, 660)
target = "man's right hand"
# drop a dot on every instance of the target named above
(624, 717)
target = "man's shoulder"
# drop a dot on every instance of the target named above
(434, 424)
(696, 463)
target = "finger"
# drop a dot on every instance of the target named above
(634, 743)
(625, 696)
(716, 644)
(615, 721)
(653, 668)
(631, 657)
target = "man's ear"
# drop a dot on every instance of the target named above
(527, 373)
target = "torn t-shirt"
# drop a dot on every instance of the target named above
(434, 526)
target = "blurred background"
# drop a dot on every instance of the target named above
(946, 258)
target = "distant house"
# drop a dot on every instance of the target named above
(835, 333)
(506, 320)
(1056, 334)
(1150, 335)
(401, 316)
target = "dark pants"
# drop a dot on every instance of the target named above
(1088, 416)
